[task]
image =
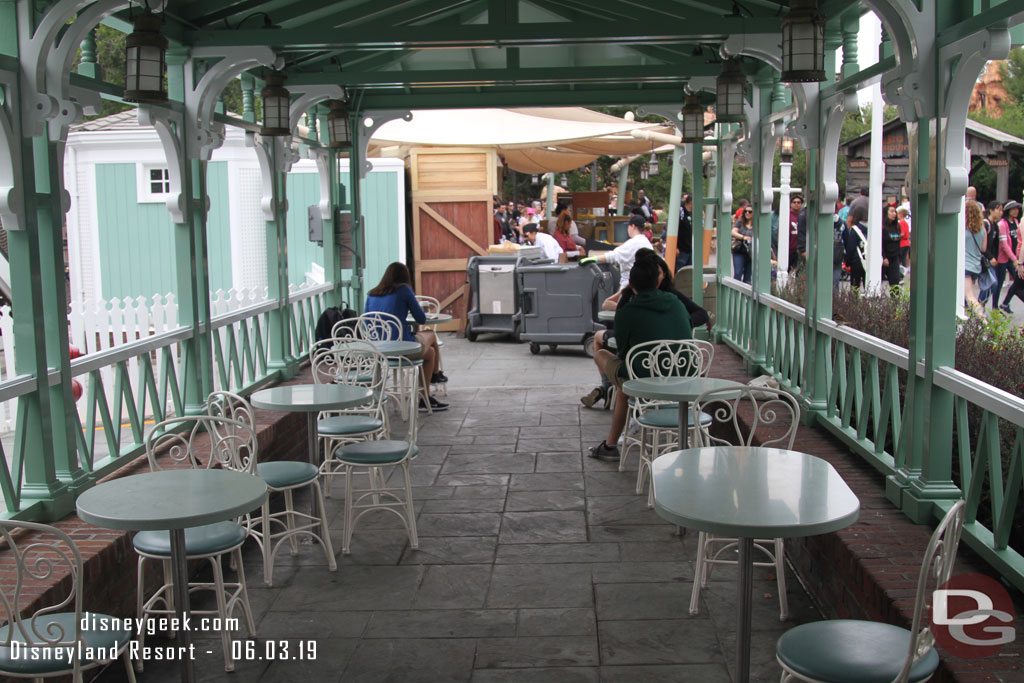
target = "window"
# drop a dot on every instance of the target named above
(159, 181)
(152, 183)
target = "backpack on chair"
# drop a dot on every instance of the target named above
(330, 317)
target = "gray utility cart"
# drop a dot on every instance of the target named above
(559, 302)
(494, 296)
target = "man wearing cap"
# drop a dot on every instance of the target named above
(549, 247)
(624, 254)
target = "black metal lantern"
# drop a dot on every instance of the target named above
(338, 125)
(565, 181)
(534, 179)
(693, 120)
(729, 88)
(653, 168)
(803, 43)
(145, 54)
(644, 172)
(276, 106)
(786, 150)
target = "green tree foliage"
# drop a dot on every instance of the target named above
(1012, 73)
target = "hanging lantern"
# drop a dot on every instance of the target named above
(803, 43)
(693, 120)
(786, 150)
(729, 89)
(653, 168)
(338, 125)
(565, 181)
(276, 106)
(145, 56)
(534, 179)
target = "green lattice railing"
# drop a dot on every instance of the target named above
(864, 407)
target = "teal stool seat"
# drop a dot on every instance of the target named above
(282, 475)
(64, 622)
(394, 362)
(382, 452)
(200, 540)
(850, 651)
(665, 418)
(342, 425)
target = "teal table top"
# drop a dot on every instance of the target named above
(674, 388)
(606, 316)
(171, 499)
(305, 398)
(397, 348)
(751, 492)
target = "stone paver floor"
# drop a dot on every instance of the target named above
(536, 563)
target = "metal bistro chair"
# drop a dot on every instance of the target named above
(376, 459)
(768, 408)
(357, 363)
(659, 420)
(42, 554)
(206, 441)
(432, 306)
(377, 326)
(843, 650)
(280, 476)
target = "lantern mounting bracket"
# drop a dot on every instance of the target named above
(313, 94)
(205, 134)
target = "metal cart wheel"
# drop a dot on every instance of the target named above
(470, 334)
(588, 346)
(553, 347)
(534, 348)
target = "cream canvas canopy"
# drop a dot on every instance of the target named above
(534, 140)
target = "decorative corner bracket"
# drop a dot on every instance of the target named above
(313, 94)
(369, 122)
(275, 155)
(960, 63)
(834, 110)
(12, 204)
(168, 126)
(909, 87)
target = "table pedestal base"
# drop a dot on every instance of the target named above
(744, 603)
(179, 576)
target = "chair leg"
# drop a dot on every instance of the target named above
(414, 540)
(346, 538)
(265, 543)
(218, 588)
(129, 670)
(325, 533)
(243, 595)
(780, 577)
(289, 516)
(139, 600)
(698, 574)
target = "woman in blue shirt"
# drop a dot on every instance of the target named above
(394, 295)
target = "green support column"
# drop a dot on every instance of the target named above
(550, 209)
(277, 266)
(187, 282)
(199, 206)
(761, 279)
(88, 66)
(248, 86)
(697, 171)
(355, 185)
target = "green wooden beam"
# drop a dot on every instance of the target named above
(519, 35)
(429, 98)
(998, 15)
(673, 73)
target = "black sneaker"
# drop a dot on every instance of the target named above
(438, 378)
(423, 406)
(603, 451)
(593, 397)
(1005, 308)
(436, 405)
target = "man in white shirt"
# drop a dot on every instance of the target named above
(624, 254)
(549, 247)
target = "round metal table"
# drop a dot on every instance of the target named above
(679, 389)
(173, 500)
(748, 493)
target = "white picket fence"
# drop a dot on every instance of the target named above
(104, 324)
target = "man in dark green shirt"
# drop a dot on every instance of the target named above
(651, 315)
